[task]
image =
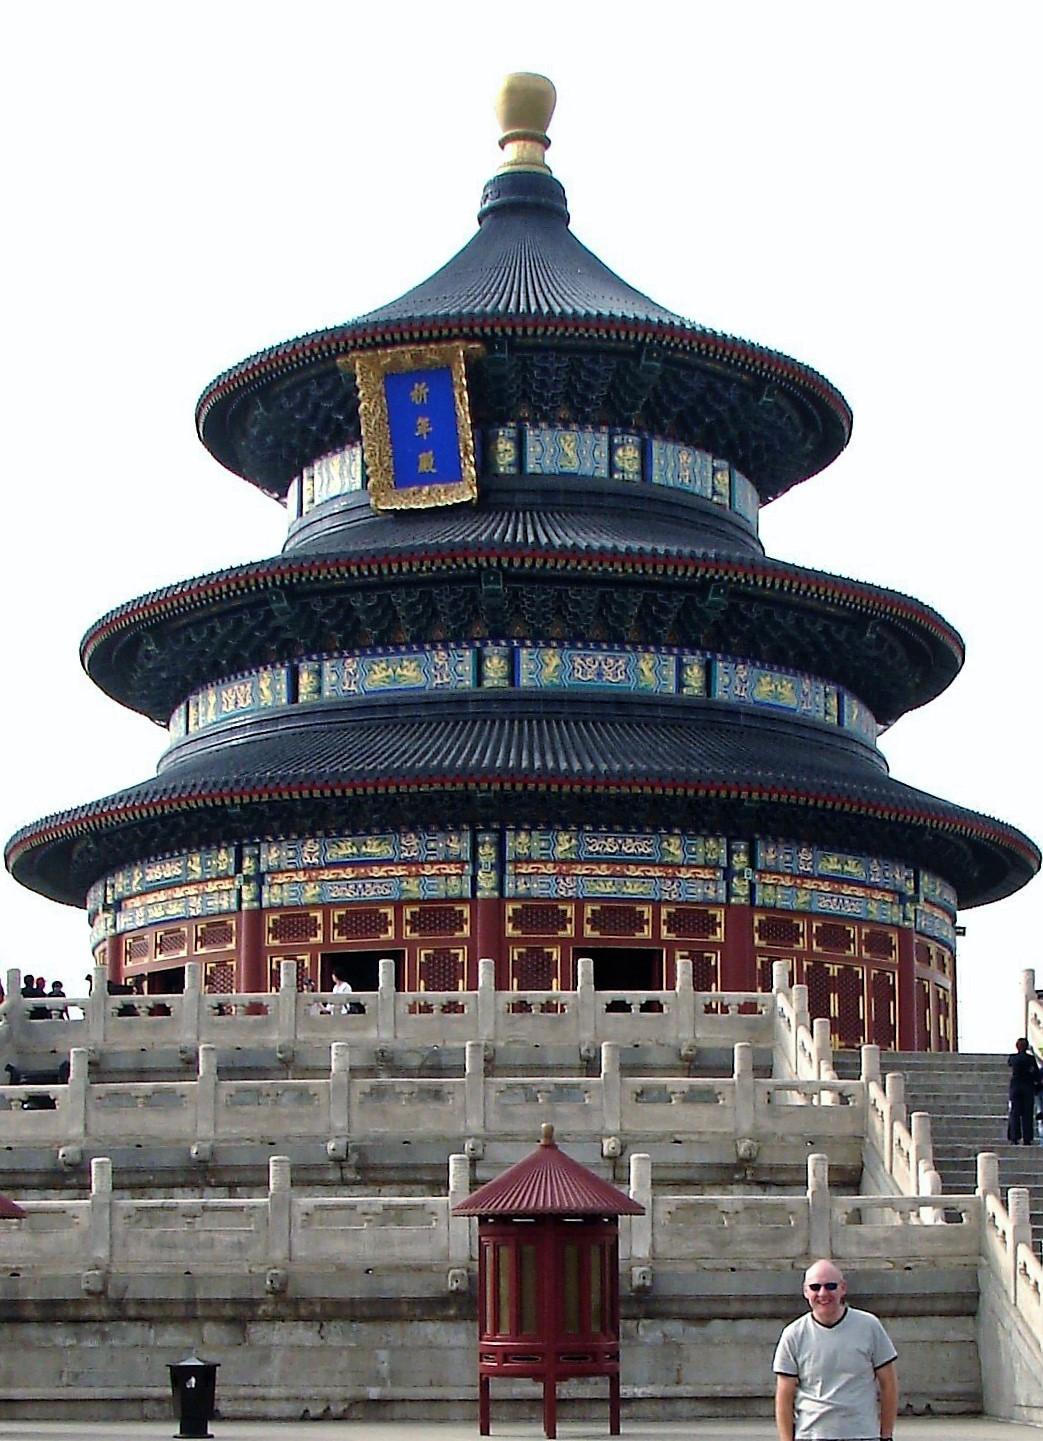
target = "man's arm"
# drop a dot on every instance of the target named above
(887, 1388)
(785, 1396)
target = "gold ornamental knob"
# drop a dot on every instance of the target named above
(524, 106)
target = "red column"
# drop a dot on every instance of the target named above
(908, 1039)
(252, 978)
(113, 958)
(488, 940)
(739, 956)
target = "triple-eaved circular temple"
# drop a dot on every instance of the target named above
(523, 684)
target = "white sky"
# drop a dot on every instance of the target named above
(854, 184)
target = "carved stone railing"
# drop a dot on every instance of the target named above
(208, 1110)
(287, 1020)
(273, 1236)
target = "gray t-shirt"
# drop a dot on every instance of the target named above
(836, 1368)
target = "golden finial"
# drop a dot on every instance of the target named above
(546, 1134)
(524, 106)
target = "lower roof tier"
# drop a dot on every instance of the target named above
(514, 575)
(539, 762)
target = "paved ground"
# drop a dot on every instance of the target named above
(963, 1428)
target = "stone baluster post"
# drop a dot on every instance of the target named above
(206, 1104)
(745, 1098)
(459, 1226)
(923, 1150)
(1018, 1209)
(988, 1169)
(822, 1042)
(931, 1185)
(74, 1101)
(871, 1064)
(641, 1192)
(340, 1090)
(280, 1196)
(474, 1088)
(100, 1214)
(14, 1009)
(98, 1010)
(586, 1001)
(820, 1230)
(611, 1089)
(191, 1011)
(684, 1002)
(286, 1012)
(1028, 993)
(801, 1021)
(386, 999)
(487, 1002)
(780, 978)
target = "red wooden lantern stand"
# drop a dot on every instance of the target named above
(548, 1277)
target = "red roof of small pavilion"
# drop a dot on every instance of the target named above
(548, 1183)
(10, 1210)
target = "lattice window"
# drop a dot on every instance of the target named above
(820, 989)
(363, 923)
(220, 978)
(779, 931)
(539, 920)
(692, 923)
(883, 1031)
(881, 945)
(923, 953)
(302, 966)
(706, 969)
(441, 969)
(137, 948)
(633, 922)
(535, 968)
(923, 1013)
(943, 961)
(943, 1002)
(849, 1006)
(215, 935)
(172, 943)
(832, 936)
(290, 928)
(431, 920)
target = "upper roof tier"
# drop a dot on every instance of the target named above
(536, 298)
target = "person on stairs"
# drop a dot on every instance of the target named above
(1026, 1079)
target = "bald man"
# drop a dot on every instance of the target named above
(835, 1376)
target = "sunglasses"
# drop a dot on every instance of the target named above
(822, 1285)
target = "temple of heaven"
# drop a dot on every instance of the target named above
(522, 683)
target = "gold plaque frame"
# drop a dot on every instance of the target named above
(369, 370)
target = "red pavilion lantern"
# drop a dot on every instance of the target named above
(548, 1277)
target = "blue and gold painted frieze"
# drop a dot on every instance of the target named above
(564, 450)
(578, 881)
(671, 848)
(584, 452)
(441, 668)
(934, 922)
(637, 670)
(145, 876)
(795, 859)
(816, 897)
(553, 667)
(562, 864)
(261, 690)
(209, 898)
(380, 883)
(362, 850)
(937, 892)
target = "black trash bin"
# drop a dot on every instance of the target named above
(193, 1383)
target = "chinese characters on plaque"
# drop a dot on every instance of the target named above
(416, 425)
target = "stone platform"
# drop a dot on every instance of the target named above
(930, 1428)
